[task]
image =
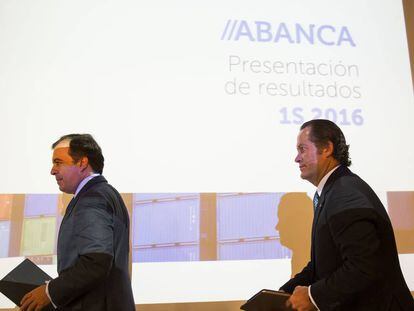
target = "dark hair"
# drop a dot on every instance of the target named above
(324, 131)
(83, 145)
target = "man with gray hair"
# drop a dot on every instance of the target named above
(93, 242)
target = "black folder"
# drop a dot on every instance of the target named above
(23, 279)
(267, 300)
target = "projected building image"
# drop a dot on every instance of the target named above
(164, 226)
(190, 226)
(207, 226)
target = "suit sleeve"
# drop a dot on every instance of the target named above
(303, 278)
(353, 227)
(93, 232)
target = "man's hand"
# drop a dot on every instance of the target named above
(35, 300)
(300, 300)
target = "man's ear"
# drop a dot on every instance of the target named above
(83, 163)
(328, 149)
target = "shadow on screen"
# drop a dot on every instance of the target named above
(295, 215)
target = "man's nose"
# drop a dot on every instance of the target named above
(297, 159)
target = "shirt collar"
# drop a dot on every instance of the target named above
(84, 182)
(324, 179)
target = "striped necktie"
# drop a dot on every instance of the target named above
(315, 201)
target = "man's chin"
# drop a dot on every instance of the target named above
(62, 188)
(305, 177)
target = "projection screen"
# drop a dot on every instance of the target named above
(197, 106)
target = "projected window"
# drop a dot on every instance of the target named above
(5, 217)
(39, 226)
(4, 237)
(165, 227)
(206, 226)
(246, 226)
(40, 205)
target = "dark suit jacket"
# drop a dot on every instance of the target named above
(354, 262)
(93, 252)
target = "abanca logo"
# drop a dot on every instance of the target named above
(262, 31)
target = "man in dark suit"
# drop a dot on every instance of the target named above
(354, 262)
(93, 242)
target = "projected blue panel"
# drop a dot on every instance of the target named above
(170, 253)
(247, 215)
(4, 238)
(41, 204)
(246, 227)
(267, 249)
(170, 221)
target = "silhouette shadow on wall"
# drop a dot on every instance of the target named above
(295, 214)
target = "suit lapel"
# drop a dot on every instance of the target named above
(70, 206)
(339, 172)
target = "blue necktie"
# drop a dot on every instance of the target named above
(315, 201)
